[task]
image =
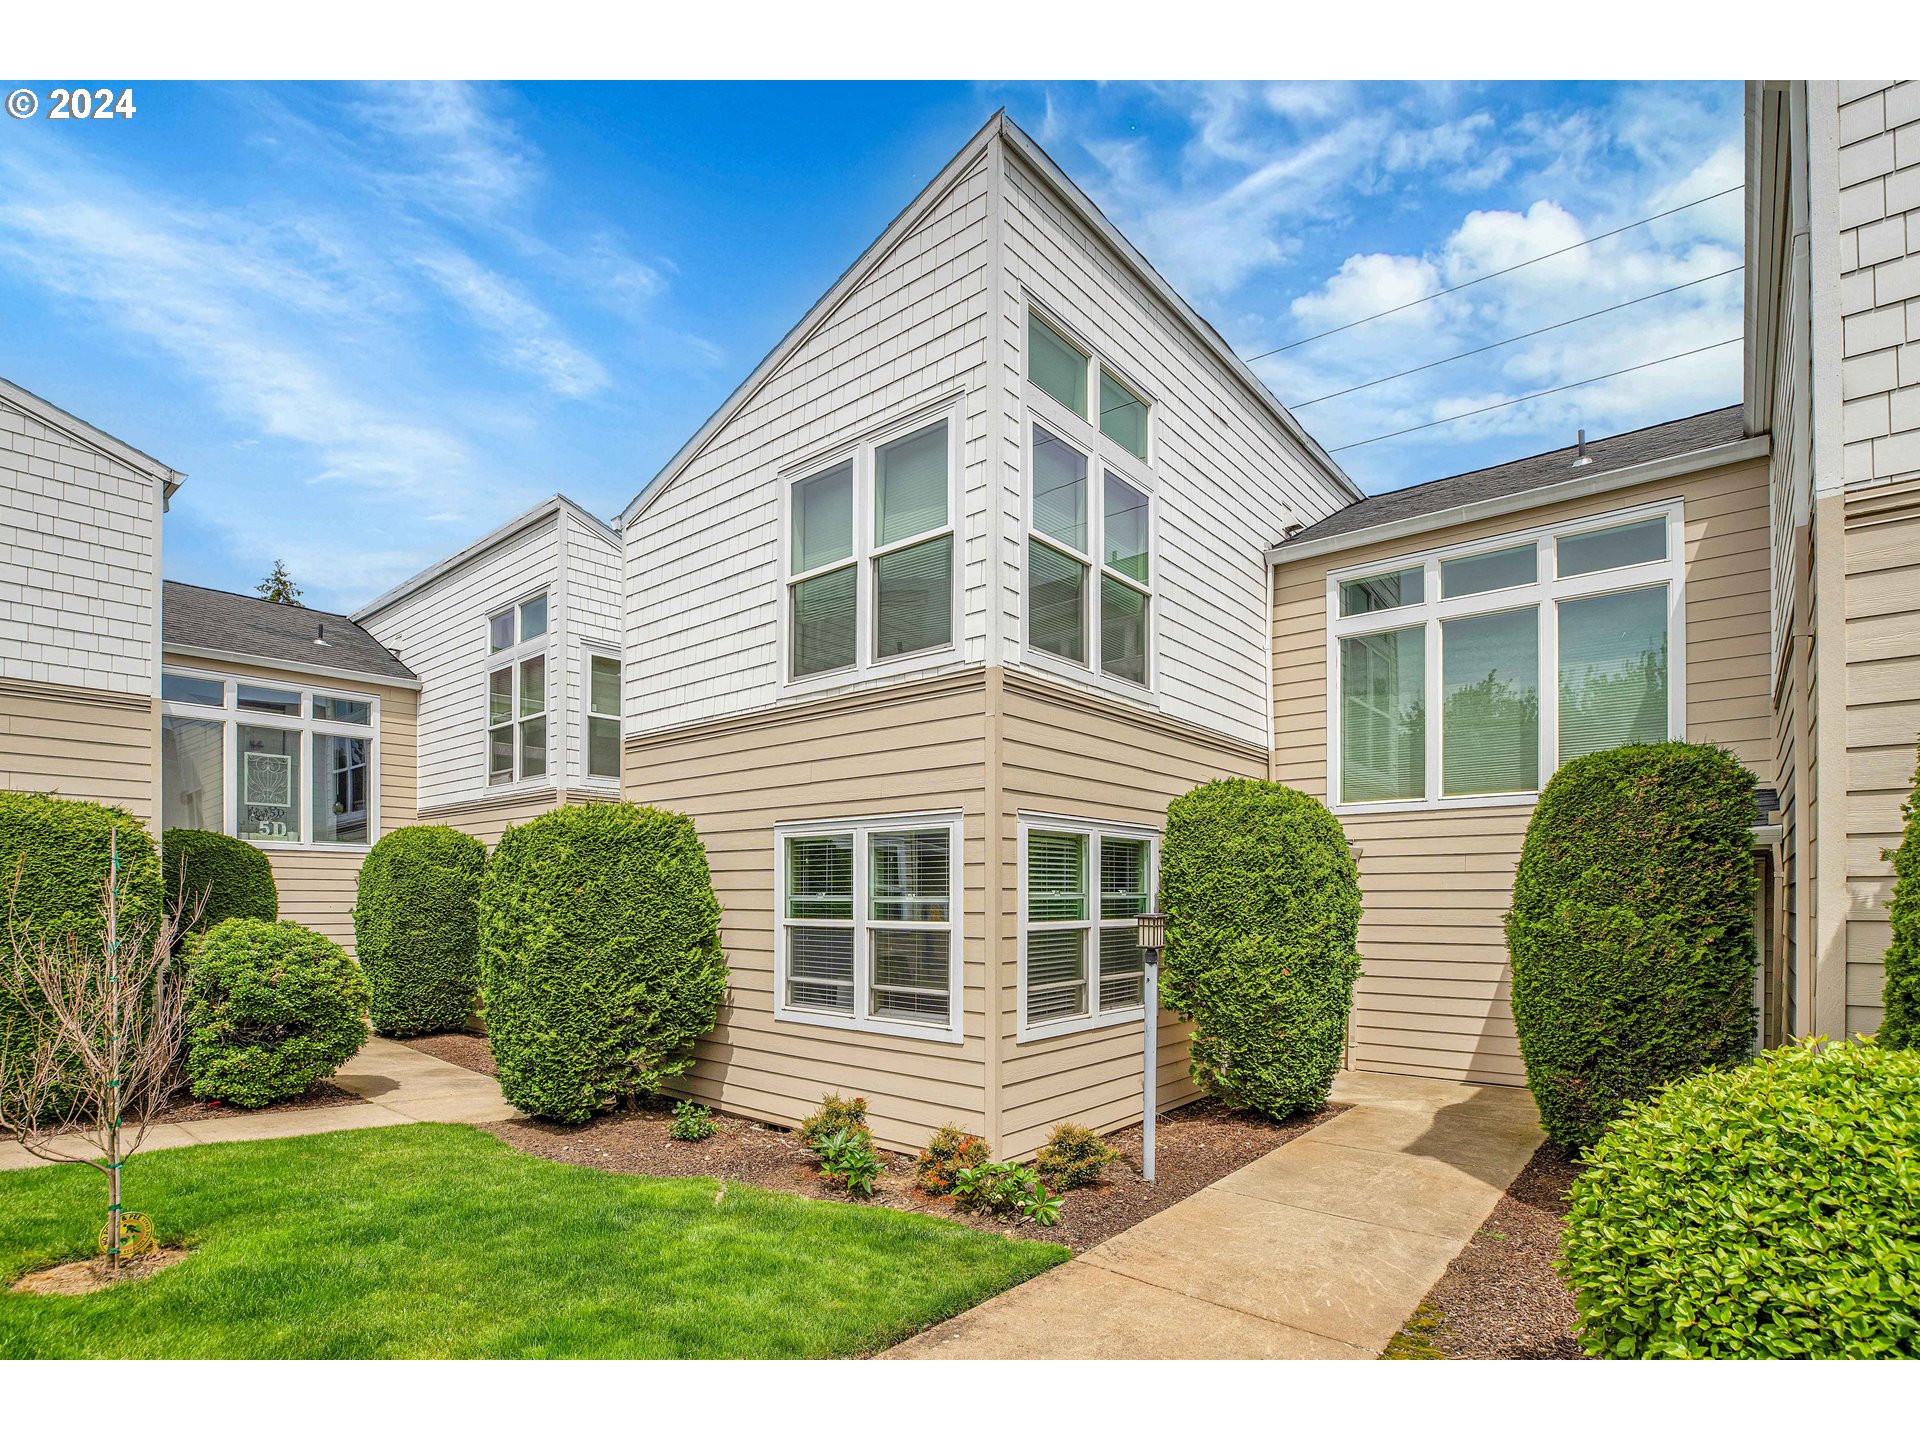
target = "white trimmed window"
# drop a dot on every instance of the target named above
(1089, 552)
(278, 765)
(517, 692)
(868, 927)
(1082, 884)
(603, 716)
(1467, 675)
(870, 555)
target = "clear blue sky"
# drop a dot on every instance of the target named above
(372, 322)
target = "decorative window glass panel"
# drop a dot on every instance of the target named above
(1383, 592)
(340, 790)
(1490, 570)
(823, 519)
(192, 690)
(267, 783)
(1123, 416)
(1613, 671)
(910, 485)
(192, 762)
(1383, 729)
(913, 598)
(1490, 694)
(1056, 603)
(266, 701)
(824, 621)
(1059, 490)
(1123, 631)
(1610, 549)
(1056, 365)
(1124, 546)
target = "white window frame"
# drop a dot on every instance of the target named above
(951, 1031)
(1546, 592)
(1094, 831)
(1102, 454)
(860, 453)
(589, 652)
(231, 717)
(510, 658)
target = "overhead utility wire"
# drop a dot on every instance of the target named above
(1492, 274)
(1558, 325)
(1520, 399)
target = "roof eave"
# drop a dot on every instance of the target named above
(51, 415)
(1752, 447)
(294, 667)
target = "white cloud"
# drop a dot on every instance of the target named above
(462, 154)
(532, 339)
(1367, 285)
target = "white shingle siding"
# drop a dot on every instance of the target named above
(1879, 212)
(79, 546)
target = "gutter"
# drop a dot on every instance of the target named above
(1754, 447)
(292, 667)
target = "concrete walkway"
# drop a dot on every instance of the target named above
(1317, 1251)
(401, 1085)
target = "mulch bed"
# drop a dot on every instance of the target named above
(322, 1097)
(83, 1277)
(1501, 1299)
(457, 1047)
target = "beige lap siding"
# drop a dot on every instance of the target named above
(487, 820)
(1062, 752)
(908, 748)
(80, 744)
(1434, 996)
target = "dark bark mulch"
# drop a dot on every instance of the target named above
(458, 1047)
(323, 1096)
(1198, 1144)
(1501, 1298)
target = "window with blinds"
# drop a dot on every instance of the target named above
(1082, 886)
(1504, 660)
(868, 925)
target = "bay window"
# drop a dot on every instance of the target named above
(870, 555)
(1466, 676)
(517, 692)
(272, 764)
(868, 925)
(1082, 884)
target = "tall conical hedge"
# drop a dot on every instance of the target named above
(1631, 932)
(1901, 990)
(416, 928)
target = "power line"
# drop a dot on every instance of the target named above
(1521, 399)
(1492, 274)
(1557, 325)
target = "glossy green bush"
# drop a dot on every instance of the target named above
(1631, 932)
(272, 1010)
(1901, 990)
(1263, 905)
(1767, 1211)
(416, 928)
(600, 956)
(235, 877)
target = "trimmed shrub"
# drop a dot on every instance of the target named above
(1263, 903)
(235, 877)
(834, 1114)
(416, 928)
(949, 1151)
(1073, 1156)
(600, 956)
(1901, 990)
(692, 1122)
(1631, 931)
(1768, 1211)
(272, 1010)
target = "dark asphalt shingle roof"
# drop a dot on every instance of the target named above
(1615, 452)
(219, 620)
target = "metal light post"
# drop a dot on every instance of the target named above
(1151, 933)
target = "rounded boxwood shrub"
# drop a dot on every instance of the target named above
(1631, 932)
(272, 1010)
(234, 876)
(1263, 904)
(1900, 992)
(1765, 1211)
(416, 928)
(600, 956)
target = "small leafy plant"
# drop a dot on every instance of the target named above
(1001, 1187)
(948, 1152)
(1073, 1156)
(835, 1113)
(691, 1122)
(848, 1157)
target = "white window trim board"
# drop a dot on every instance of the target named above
(953, 1032)
(1095, 1019)
(544, 645)
(604, 650)
(1543, 592)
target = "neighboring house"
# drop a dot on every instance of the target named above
(926, 627)
(79, 607)
(516, 640)
(291, 728)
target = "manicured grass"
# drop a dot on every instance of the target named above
(438, 1240)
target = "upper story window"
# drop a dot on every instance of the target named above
(603, 717)
(1470, 674)
(870, 555)
(1065, 371)
(517, 692)
(277, 765)
(1081, 886)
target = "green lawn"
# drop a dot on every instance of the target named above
(431, 1240)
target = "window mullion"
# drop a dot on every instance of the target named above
(862, 934)
(1433, 701)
